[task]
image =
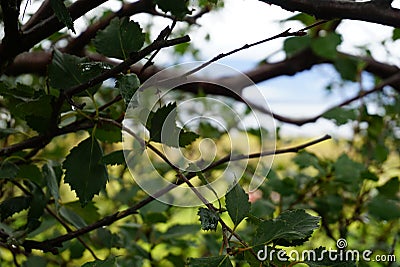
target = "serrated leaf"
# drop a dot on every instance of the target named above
(110, 262)
(326, 46)
(290, 227)
(177, 8)
(8, 170)
(209, 219)
(37, 113)
(62, 13)
(162, 127)
(66, 71)
(120, 38)
(186, 138)
(84, 171)
(115, 158)
(340, 115)
(13, 205)
(220, 261)
(237, 204)
(127, 85)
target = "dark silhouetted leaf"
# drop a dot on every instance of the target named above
(8, 170)
(84, 171)
(120, 38)
(13, 205)
(177, 7)
(127, 85)
(237, 204)
(209, 219)
(115, 158)
(62, 13)
(66, 71)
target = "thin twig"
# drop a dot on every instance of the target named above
(52, 244)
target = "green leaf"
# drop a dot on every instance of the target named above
(296, 44)
(162, 127)
(120, 38)
(84, 171)
(347, 170)
(186, 138)
(66, 71)
(37, 113)
(220, 261)
(347, 68)
(209, 219)
(340, 115)
(391, 188)
(396, 34)
(107, 133)
(179, 230)
(72, 217)
(127, 85)
(290, 227)
(383, 208)
(302, 17)
(326, 46)
(34, 261)
(237, 204)
(8, 170)
(31, 172)
(177, 8)
(62, 13)
(37, 205)
(115, 158)
(207, 130)
(13, 205)
(110, 262)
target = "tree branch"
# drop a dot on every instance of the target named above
(46, 28)
(10, 12)
(50, 245)
(345, 9)
(76, 45)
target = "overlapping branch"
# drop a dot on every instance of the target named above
(371, 11)
(51, 245)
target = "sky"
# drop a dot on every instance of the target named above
(247, 21)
